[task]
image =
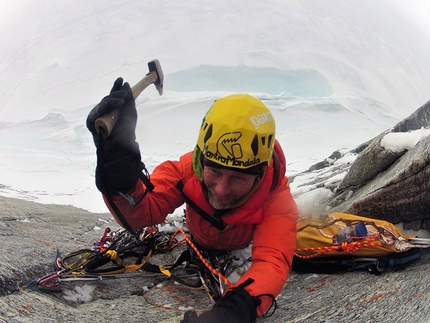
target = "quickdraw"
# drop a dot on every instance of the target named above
(110, 257)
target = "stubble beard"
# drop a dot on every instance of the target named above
(220, 205)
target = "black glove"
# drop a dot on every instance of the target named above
(237, 306)
(120, 98)
(118, 157)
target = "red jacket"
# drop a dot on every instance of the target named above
(267, 218)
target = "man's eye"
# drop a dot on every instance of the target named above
(214, 171)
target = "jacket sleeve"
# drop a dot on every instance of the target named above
(153, 208)
(272, 248)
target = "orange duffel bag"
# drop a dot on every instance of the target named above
(344, 242)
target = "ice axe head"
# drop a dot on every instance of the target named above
(154, 76)
(154, 66)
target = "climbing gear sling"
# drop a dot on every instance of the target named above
(121, 254)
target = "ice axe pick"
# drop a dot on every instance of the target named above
(155, 76)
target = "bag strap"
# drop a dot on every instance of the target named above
(212, 219)
(376, 265)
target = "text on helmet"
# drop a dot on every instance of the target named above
(260, 119)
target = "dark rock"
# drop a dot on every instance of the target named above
(372, 161)
(328, 161)
(319, 165)
(361, 147)
(417, 120)
(388, 185)
(399, 193)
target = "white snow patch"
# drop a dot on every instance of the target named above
(309, 203)
(24, 220)
(401, 141)
(335, 178)
(79, 294)
(347, 158)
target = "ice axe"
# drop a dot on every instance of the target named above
(155, 76)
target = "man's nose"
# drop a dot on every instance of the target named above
(222, 187)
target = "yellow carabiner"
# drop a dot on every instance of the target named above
(114, 256)
(165, 271)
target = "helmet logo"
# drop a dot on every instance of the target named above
(230, 153)
(228, 145)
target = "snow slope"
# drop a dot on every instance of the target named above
(334, 73)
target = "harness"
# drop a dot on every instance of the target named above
(212, 219)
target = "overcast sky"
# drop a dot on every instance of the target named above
(418, 11)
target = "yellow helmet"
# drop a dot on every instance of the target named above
(238, 132)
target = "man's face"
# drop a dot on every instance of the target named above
(225, 186)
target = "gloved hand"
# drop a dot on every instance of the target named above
(120, 98)
(119, 164)
(237, 306)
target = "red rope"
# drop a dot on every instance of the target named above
(205, 262)
(345, 246)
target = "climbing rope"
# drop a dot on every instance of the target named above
(372, 241)
(202, 259)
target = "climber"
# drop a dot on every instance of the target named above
(233, 184)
